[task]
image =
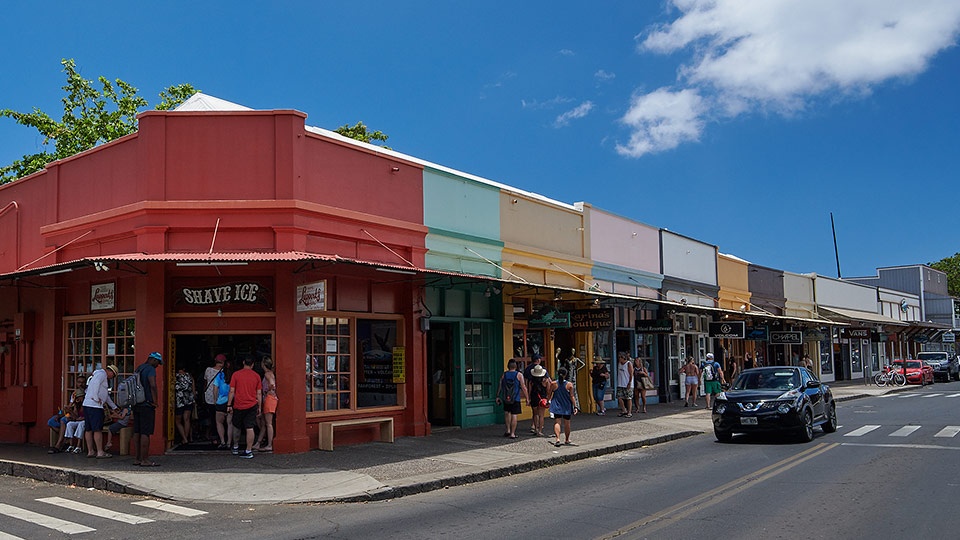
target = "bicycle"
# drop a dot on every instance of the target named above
(890, 377)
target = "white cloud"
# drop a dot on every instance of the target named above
(548, 104)
(661, 120)
(781, 54)
(604, 76)
(566, 52)
(577, 112)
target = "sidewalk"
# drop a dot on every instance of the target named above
(373, 471)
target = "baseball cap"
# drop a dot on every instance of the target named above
(710, 355)
(156, 356)
(219, 359)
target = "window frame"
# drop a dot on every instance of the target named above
(95, 359)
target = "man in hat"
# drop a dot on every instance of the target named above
(598, 382)
(97, 394)
(145, 414)
(712, 378)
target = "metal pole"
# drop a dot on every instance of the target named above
(835, 250)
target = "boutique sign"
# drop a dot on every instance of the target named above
(589, 320)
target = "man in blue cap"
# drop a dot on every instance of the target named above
(145, 414)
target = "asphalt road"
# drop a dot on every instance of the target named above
(889, 472)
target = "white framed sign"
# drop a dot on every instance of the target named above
(312, 296)
(103, 296)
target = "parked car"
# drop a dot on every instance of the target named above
(918, 372)
(777, 399)
(945, 365)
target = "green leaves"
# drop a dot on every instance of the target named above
(360, 132)
(91, 116)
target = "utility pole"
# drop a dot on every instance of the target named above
(835, 250)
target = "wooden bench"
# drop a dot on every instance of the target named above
(126, 433)
(326, 429)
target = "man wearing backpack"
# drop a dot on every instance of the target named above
(145, 414)
(510, 391)
(712, 378)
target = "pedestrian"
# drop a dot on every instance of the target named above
(640, 377)
(806, 362)
(245, 401)
(97, 395)
(58, 423)
(145, 414)
(691, 380)
(269, 388)
(712, 378)
(598, 383)
(511, 392)
(210, 396)
(75, 423)
(184, 394)
(734, 371)
(562, 405)
(624, 384)
(539, 388)
(121, 419)
(748, 362)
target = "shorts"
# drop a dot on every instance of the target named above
(624, 392)
(116, 427)
(562, 416)
(690, 379)
(245, 418)
(270, 404)
(93, 416)
(185, 408)
(221, 408)
(56, 422)
(144, 420)
(712, 387)
(599, 392)
(512, 408)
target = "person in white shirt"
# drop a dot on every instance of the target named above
(98, 394)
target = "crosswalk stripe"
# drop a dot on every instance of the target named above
(904, 431)
(49, 522)
(954, 395)
(932, 395)
(5, 536)
(861, 431)
(949, 431)
(172, 508)
(95, 510)
(902, 396)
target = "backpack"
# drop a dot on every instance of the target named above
(709, 372)
(509, 388)
(130, 391)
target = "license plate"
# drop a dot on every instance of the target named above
(748, 421)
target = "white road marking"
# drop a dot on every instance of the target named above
(49, 522)
(95, 510)
(904, 431)
(172, 508)
(5, 536)
(932, 395)
(861, 431)
(954, 395)
(949, 431)
(913, 446)
(901, 396)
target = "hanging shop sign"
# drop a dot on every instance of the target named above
(203, 294)
(757, 333)
(853, 332)
(793, 337)
(921, 338)
(312, 296)
(727, 329)
(548, 317)
(655, 326)
(589, 320)
(814, 334)
(948, 337)
(103, 296)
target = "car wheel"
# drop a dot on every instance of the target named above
(723, 436)
(806, 430)
(830, 425)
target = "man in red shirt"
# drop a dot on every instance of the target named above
(245, 403)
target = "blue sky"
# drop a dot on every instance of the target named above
(741, 123)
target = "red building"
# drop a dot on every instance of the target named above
(234, 232)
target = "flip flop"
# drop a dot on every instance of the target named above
(149, 464)
(513, 436)
(136, 463)
(557, 444)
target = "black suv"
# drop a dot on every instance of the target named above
(945, 364)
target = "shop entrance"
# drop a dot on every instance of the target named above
(439, 358)
(193, 354)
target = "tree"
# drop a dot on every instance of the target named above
(360, 132)
(91, 117)
(951, 267)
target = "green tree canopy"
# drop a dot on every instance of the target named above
(360, 132)
(91, 116)
(951, 267)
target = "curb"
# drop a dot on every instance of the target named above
(501, 472)
(69, 477)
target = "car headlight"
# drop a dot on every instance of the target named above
(784, 408)
(721, 408)
(722, 396)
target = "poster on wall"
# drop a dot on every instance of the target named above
(103, 296)
(378, 350)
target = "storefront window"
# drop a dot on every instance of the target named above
(826, 356)
(375, 386)
(526, 342)
(95, 343)
(341, 376)
(476, 352)
(856, 355)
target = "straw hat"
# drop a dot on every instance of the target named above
(538, 371)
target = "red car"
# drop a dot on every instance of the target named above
(918, 372)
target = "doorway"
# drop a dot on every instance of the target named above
(193, 354)
(440, 364)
